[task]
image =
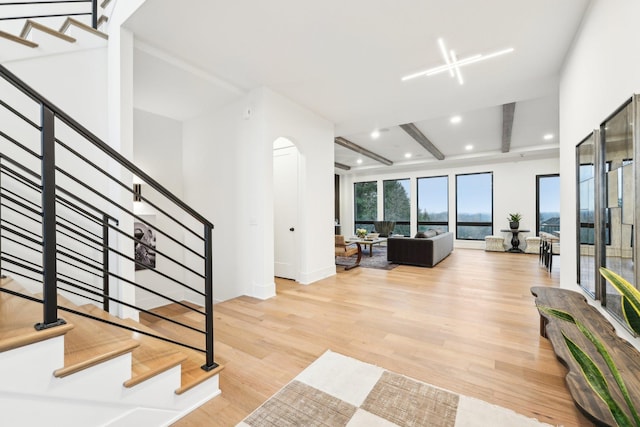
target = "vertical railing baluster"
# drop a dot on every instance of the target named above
(2, 276)
(208, 303)
(105, 262)
(49, 269)
(94, 14)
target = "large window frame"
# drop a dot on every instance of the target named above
(367, 224)
(539, 178)
(403, 223)
(422, 224)
(488, 225)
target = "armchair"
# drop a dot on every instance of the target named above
(344, 249)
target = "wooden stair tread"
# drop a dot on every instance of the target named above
(192, 372)
(78, 358)
(152, 357)
(90, 342)
(29, 25)
(72, 22)
(105, 3)
(86, 343)
(20, 40)
(18, 317)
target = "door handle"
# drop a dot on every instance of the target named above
(291, 229)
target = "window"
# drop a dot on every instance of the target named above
(547, 203)
(397, 205)
(474, 206)
(433, 203)
(366, 204)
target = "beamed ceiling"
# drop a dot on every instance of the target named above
(345, 60)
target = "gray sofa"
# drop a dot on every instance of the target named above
(425, 251)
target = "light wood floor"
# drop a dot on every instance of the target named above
(468, 325)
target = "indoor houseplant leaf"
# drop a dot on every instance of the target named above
(630, 298)
(597, 381)
(563, 315)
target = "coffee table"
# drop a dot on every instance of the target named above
(366, 242)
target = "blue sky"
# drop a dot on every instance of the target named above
(550, 194)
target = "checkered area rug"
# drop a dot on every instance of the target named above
(336, 390)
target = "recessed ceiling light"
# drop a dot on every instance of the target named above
(375, 134)
(455, 119)
(468, 147)
(359, 161)
(407, 155)
(548, 136)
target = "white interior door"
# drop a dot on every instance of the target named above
(285, 215)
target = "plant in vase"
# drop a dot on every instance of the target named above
(361, 233)
(514, 220)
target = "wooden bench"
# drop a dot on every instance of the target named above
(624, 355)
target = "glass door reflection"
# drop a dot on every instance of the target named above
(585, 152)
(617, 138)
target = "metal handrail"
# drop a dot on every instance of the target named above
(96, 224)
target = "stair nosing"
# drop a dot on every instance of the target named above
(207, 375)
(172, 361)
(70, 21)
(34, 337)
(127, 347)
(20, 40)
(29, 25)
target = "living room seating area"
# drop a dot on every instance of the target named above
(427, 249)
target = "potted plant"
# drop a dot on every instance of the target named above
(514, 220)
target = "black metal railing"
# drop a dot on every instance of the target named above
(70, 230)
(22, 10)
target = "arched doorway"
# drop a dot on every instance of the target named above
(285, 209)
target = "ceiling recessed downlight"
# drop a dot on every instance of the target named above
(468, 147)
(455, 119)
(407, 155)
(375, 134)
(359, 161)
(548, 136)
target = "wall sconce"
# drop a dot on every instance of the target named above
(137, 192)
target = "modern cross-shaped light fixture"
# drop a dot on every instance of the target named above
(453, 64)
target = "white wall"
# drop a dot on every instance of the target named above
(514, 190)
(157, 150)
(228, 157)
(600, 73)
(210, 174)
(75, 82)
(313, 137)
(602, 70)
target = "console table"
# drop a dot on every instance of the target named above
(515, 242)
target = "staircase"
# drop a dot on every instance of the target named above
(92, 374)
(39, 31)
(66, 255)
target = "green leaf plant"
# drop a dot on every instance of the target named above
(596, 379)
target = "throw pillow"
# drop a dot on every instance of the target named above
(420, 235)
(430, 233)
